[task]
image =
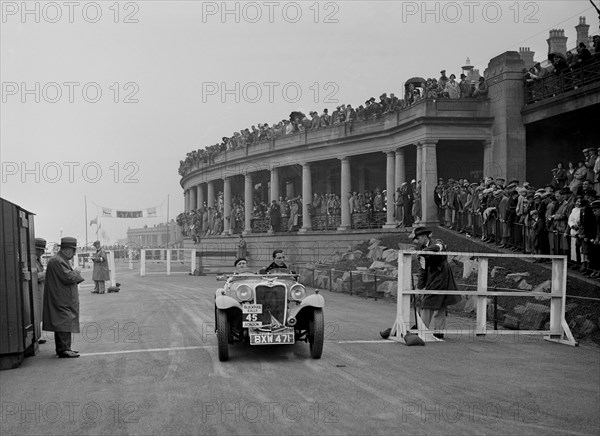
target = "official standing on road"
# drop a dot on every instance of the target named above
(61, 298)
(100, 273)
(434, 274)
(242, 247)
(40, 249)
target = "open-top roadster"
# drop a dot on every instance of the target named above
(268, 309)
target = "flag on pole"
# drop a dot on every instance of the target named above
(94, 221)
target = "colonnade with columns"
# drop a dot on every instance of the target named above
(426, 171)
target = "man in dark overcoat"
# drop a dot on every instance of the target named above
(61, 298)
(40, 249)
(100, 273)
(434, 274)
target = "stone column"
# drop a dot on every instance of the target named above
(200, 193)
(274, 194)
(390, 180)
(211, 194)
(306, 197)
(429, 178)
(507, 155)
(400, 168)
(419, 162)
(248, 203)
(226, 205)
(346, 187)
(193, 198)
(490, 168)
(186, 200)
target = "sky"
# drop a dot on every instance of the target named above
(101, 100)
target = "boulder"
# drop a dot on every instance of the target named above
(348, 256)
(358, 254)
(470, 267)
(496, 270)
(387, 288)
(519, 310)
(390, 255)
(511, 322)
(373, 243)
(543, 287)
(376, 253)
(535, 316)
(378, 265)
(524, 285)
(517, 276)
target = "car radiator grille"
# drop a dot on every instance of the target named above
(273, 300)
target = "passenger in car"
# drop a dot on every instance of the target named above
(278, 261)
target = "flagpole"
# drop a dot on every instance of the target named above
(168, 224)
(86, 224)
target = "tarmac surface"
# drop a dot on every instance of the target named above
(149, 365)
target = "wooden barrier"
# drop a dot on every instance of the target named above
(559, 330)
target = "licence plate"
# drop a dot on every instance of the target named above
(252, 308)
(271, 338)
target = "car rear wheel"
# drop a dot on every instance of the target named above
(316, 334)
(223, 335)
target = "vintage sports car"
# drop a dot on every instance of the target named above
(268, 309)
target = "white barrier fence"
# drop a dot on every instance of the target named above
(111, 265)
(558, 328)
(167, 261)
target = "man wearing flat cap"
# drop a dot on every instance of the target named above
(61, 298)
(434, 274)
(100, 273)
(40, 249)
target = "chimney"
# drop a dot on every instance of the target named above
(582, 32)
(557, 42)
(527, 56)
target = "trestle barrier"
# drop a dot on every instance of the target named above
(558, 331)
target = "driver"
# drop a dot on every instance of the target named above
(240, 265)
(278, 261)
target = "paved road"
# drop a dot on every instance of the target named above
(149, 366)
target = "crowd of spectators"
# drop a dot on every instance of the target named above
(414, 90)
(571, 65)
(561, 218)
(285, 214)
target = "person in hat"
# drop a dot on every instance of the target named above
(465, 86)
(40, 249)
(597, 172)
(240, 265)
(594, 247)
(434, 274)
(536, 235)
(481, 90)
(100, 273)
(61, 298)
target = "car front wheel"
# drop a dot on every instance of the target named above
(223, 335)
(316, 334)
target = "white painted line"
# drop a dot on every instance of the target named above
(374, 341)
(148, 350)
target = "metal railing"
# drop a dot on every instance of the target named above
(516, 235)
(568, 80)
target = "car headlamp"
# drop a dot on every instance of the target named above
(244, 292)
(297, 292)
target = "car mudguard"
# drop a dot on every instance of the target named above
(314, 300)
(226, 302)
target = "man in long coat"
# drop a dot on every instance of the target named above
(434, 274)
(100, 273)
(40, 249)
(61, 298)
